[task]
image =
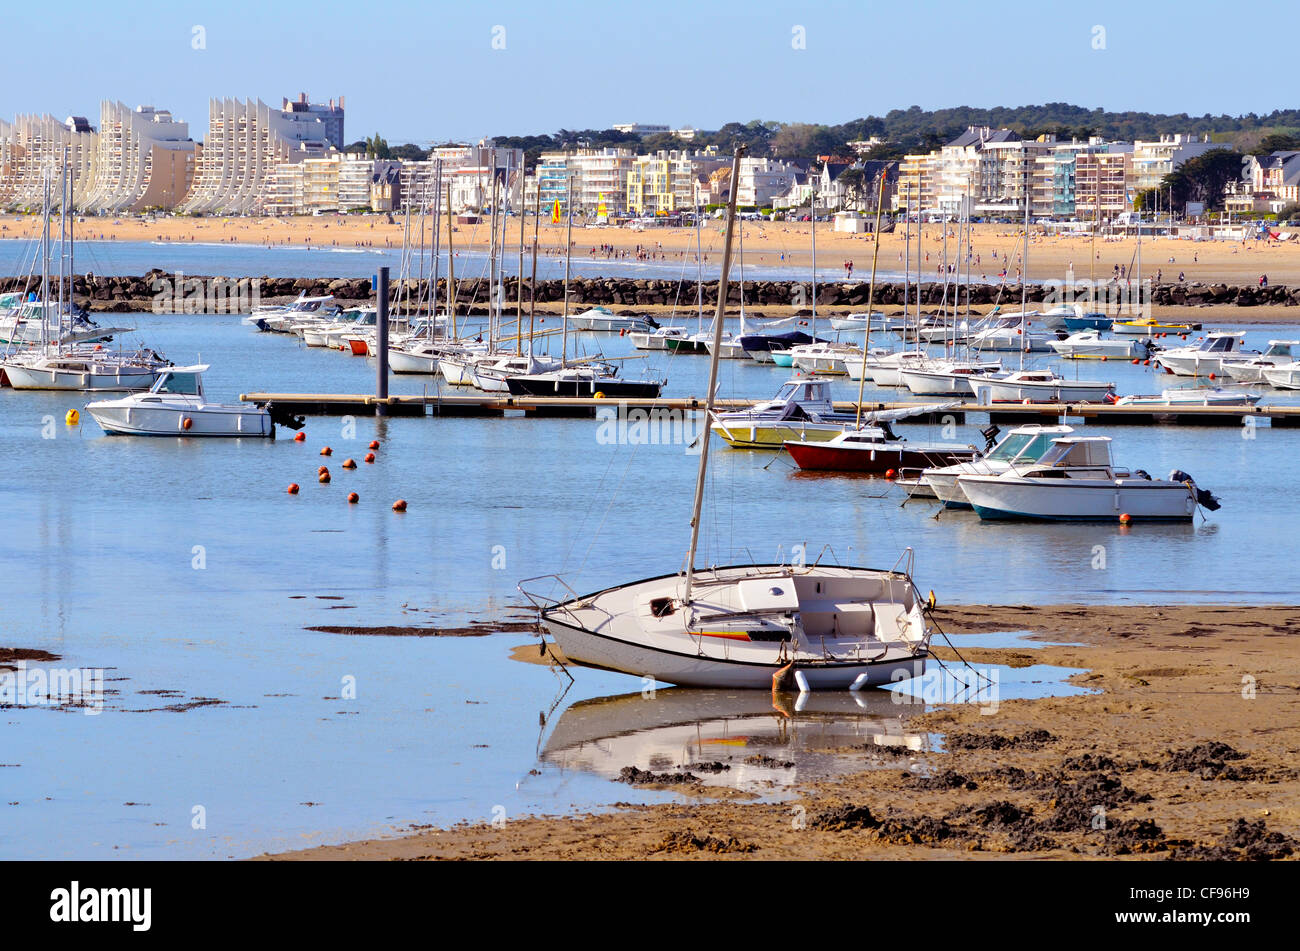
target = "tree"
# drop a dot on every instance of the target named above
(1203, 178)
(408, 153)
(376, 147)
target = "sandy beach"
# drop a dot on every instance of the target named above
(1186, 748)
(766, 244)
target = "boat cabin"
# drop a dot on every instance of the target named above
(1220, 343)
(179, 381)
(1075, 457)
(1027, 443)
(810, 395)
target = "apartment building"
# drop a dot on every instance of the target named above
(144, 159)
(664, 183)
(246, 143)
(31, 145)
(1103, 181)
(1153, 160)
(762, 180)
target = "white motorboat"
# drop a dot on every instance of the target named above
(1091, 345)
(729, 349)
(1280, 353)
(1206, 357)
(946, 377)
(1010, 334)
(1039, 386)
(279, 318)
(1022, 445)
(1192, 396)
(801, 410)
(1285, 376)
(863, 321)
(603, 320)
(176, 406)
(824, 358)
(655, 339)
(883, 368)
(1075, 480)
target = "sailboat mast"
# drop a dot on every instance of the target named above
(492, 256)
(532, 281)
(568, 253)
(63, 242)
(45, 261)
(812, 220)
(451, 270)
(871, 296)
(436, 264)
(1024, 263)
(519, 281)
(714, 354)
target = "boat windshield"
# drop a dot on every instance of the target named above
(1010, 447)
(182, 384)
(1217, 344)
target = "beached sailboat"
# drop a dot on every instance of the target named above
(738, 626)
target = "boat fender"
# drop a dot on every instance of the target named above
(931, 601)
(186, 423)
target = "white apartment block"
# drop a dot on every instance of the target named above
(1153, 160)
(246, 142)
(144, 159)
(761, 180)
(32, 145)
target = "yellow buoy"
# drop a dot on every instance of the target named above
(72, 418)
(600, 395)
(932, 601)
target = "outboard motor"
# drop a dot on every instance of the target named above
(1204, 498)
(990, 434)
(283, 417)
(651, 321)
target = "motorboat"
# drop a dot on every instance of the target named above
(1038, 386)
(801, 410)
(1069, 318)
(946, 377)
(1091, 345)
(603, 320)
(1075, 480)
(1149, 326)
(594, 380)
(656, 339)
(884, 369)
(1022, 445)
(176, 406)
(729, 348)
(824, 358)
(863, 321)
(1206, 357)
(1280, 353)
(1191, 396)
(1010, 334)
(874, 449)
(279, 318)
(1285, 376)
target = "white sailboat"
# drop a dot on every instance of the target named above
(746, 625)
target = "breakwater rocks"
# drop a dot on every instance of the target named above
(161, 292)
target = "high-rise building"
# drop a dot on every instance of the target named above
(33, 145)
(144, 159)
(246, 141)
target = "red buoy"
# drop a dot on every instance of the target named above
(374, 444)
(370, 457)
(1125, 518)
(349, 464)
(300, 437)
(327, 451)
(293, 488)
(353, 498)
(399, 505)
(891, 474)
(324, 478)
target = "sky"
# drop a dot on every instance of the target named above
(424, 72)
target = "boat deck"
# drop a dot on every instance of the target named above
(496, 405)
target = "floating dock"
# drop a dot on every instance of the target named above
(490, 405)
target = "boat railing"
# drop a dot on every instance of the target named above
(907, 559)
(543, 602)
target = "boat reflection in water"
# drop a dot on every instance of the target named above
(768, 741)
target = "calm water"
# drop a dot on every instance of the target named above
(184, 566)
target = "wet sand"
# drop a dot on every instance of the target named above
(1186, 749)
(770, 244)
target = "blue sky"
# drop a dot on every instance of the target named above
(422, 71)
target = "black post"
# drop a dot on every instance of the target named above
(381, 341)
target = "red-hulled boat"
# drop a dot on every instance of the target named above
(874, 450)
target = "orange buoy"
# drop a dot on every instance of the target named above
(293, 488)
(1211, 376)
(1125, 518)
(186, 423)
(299, 437)
(320, 469)
(327, 451)
(1146, 363)
(324, 478)
(1136, 361)
(353, 498)
(890, 474)
(374, 444)
(349, 464)
(399, 505)
(370, 457)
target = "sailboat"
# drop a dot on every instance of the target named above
(739, 626)
(58, 363)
